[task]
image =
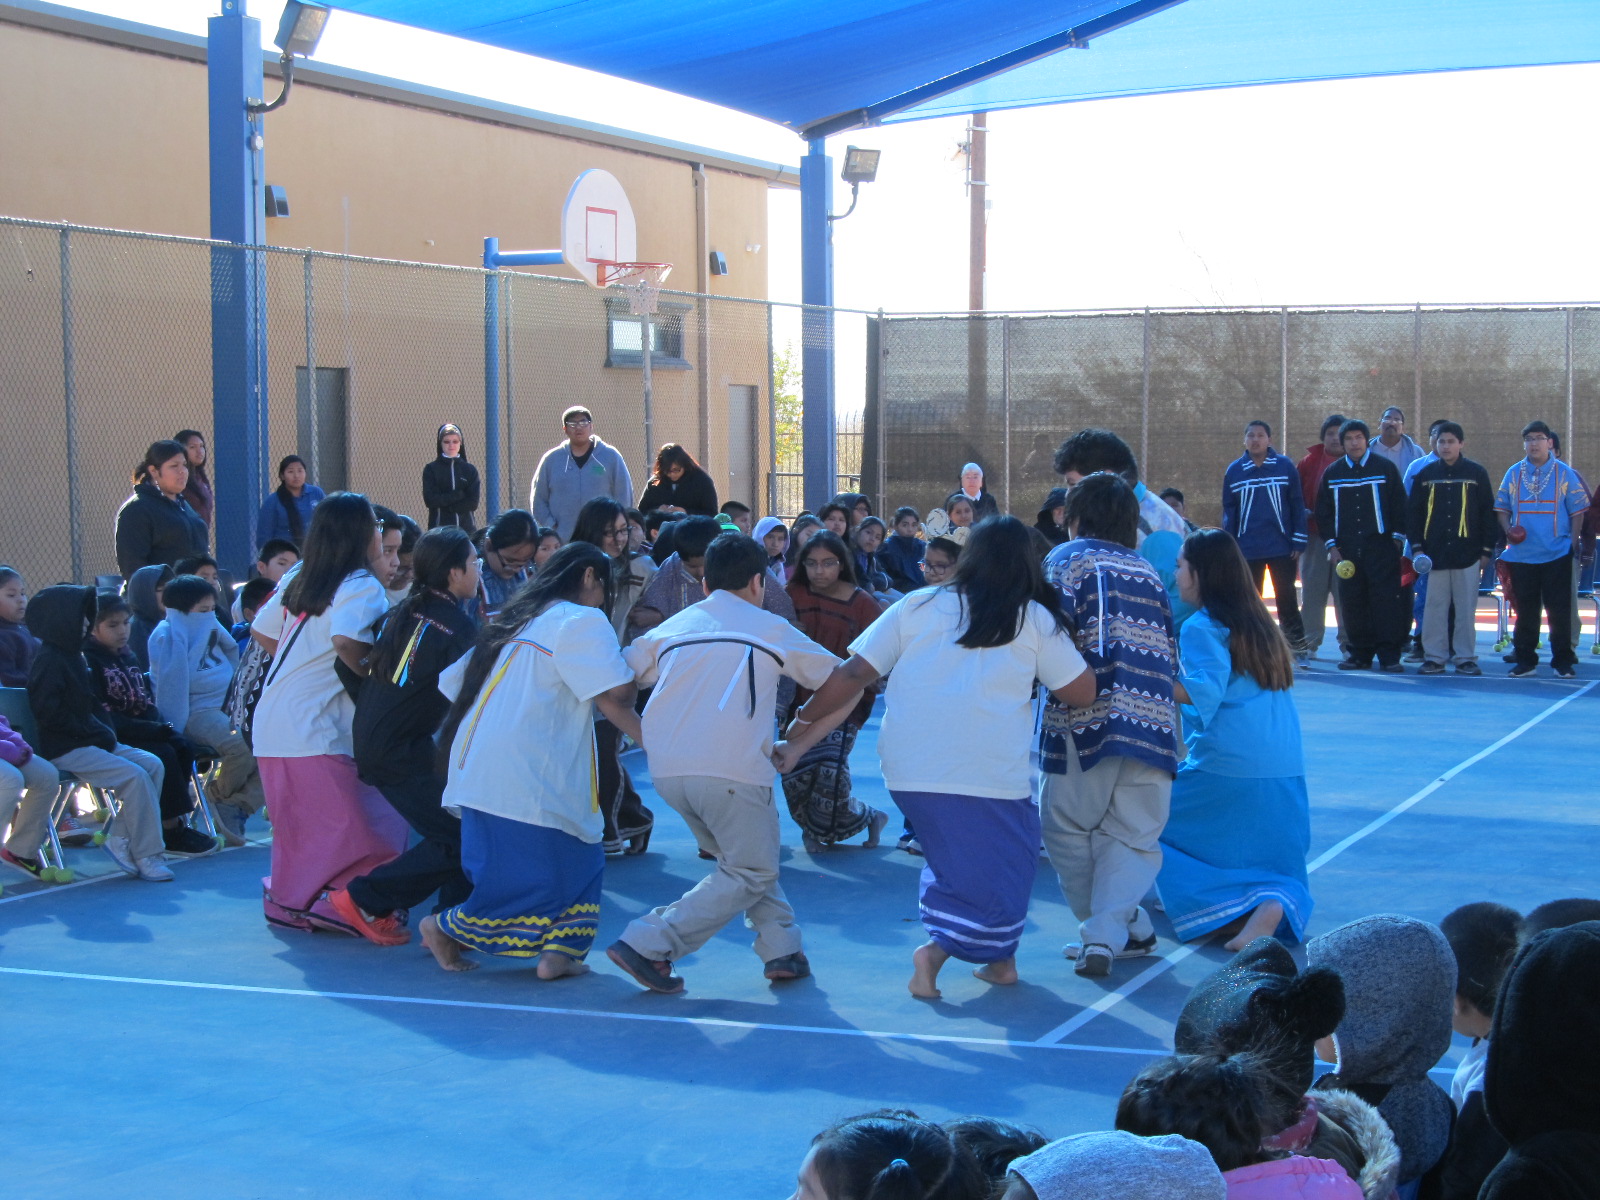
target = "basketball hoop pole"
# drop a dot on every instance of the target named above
(649, 392)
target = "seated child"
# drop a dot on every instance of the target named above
(773, 535)
(192, 662)
(273, 561)
(27, 786)
(739, 513)
(121, 686)
(1116, 1166)
(889, 1153)
(1557, 914)
(1225, 1103)
(250, 598)
(1483, 937)
(143, 593)
(17, 645)
(1544, 1058)
(1399, 989)
(902, 552)
(866, 543)
(677, 584)
(75, 731)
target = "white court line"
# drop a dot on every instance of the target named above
(543, 1010)
(1167, 961)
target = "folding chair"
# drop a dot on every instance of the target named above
(18, 712)
(201, 817)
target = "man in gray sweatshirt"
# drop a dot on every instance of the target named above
(575, 472)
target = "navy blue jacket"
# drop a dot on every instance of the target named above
(1262, 506)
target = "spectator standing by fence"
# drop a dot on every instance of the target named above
(1361, 511)
(1262, 507)
(198, 492)
(679, 484)
(450, 489)
(982, 500)
(1394, 443)
(155, 525)
(575, 472)
(1316, 572)
(1540, 496)
(286, 513)
(1450, 519)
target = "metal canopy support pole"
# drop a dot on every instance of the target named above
(1144, 402)
(238, 317)
(821, 479)
(1005, 399)
(772, 422)
(1571, 441)
(1416, 368)
(1283, 378)
(491, 379)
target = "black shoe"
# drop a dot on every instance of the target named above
(1392, 668)
(1468, 668)
(1522, 672)
(1567, 672)
(646, 972)
(1431, 668)
(190, 842)
(1350, 664)
(1508, 658)
(789, 966)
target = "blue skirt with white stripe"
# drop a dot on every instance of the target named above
(980, 856)
(1229, 846)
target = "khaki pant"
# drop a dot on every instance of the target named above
(135, 776)
(739, 824)
(1316, 582)
(1447, 587)
(27, 791)
(1102, 830)
(237, 781)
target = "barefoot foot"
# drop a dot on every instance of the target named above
(1262, 923)
(1002, 971)
(875, 824)
(446, 950)
(555, 965)
(926, 961)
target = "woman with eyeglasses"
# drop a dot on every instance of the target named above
(833, 612)
(679, 484)
(604, 523)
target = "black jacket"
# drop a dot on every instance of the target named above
(70, 715)
(450, 489)
(120, 684)
(399, 711)
(1450, 514)
(1544, 1057)
(1360, 501)
(155, 531)
(694, 493)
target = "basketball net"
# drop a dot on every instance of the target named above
(641, 281)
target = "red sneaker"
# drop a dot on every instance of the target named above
(384, 931)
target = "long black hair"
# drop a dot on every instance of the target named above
(437, 553)
(672, 454)
(596, 519)
(561, 578)
(297, 530)
(1229, 595)
(893, 1154)
(801, 523)
(827, 539)
(996, 576)
(337, 546)
(1222, 1101)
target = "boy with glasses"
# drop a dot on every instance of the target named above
(575, 472)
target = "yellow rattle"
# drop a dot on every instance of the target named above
(1346, 569)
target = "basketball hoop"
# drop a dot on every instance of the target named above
(640, 280)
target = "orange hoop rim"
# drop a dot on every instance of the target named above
(621, 273)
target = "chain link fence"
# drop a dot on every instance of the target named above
(1179, 387)
(105, 346)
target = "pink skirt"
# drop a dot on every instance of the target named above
(327, 828)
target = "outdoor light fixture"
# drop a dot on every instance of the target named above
(298, 34)
(860, 166)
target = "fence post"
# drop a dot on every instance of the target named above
(1005, 400)
(1144, 403)
(772, 421)
(69, 395)
(313, 407)
(1571, 441)
(1283, 377)
(510, 393)
(1416, 367)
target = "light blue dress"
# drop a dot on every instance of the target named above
(1240, 824)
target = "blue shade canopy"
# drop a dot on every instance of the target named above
(821, 67)
(1232, 43)
(812, 65)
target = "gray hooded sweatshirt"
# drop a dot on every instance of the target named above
(1399, 987)
(561, 487)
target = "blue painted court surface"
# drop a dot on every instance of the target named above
(166, 1042)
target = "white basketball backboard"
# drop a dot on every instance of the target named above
(597, 224)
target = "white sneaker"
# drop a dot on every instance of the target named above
(154, 870)
(117, 847)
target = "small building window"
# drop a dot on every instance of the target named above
(625, 336)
